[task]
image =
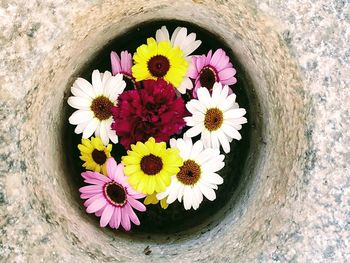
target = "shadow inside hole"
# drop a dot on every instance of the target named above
(175, 219)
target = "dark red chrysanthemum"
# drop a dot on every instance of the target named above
(152, 111)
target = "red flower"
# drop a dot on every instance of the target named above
(153, 111)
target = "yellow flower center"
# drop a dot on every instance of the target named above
(213, 119)
(151, 164)
(115, 194)
(189, 173)
(101, 107)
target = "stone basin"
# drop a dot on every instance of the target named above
(292, 202)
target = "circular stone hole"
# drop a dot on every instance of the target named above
(175, 219)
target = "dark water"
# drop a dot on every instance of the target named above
(174, 219)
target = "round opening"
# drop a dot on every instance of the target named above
(175, 219)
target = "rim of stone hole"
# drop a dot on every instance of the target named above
(175, 219)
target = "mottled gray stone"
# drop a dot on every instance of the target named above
(293, 205)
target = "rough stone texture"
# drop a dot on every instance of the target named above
(294, 205)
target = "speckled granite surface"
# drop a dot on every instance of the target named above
(295, 207)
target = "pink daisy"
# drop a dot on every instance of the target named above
(122, 65)
(111, 197)
(211, 68)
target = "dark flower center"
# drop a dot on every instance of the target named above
(130, 82)
(208, 77)
(99, 156)
(158, 66)
(189, 173)
(115, 194)
(101, 106)
(213, 119)
(151, 164)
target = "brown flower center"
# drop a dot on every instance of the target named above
(151, 164)
(130, 82)
(213, 119)
(115, 194)
(208, 77)
(158, 66)
(101, 106)
(189, 173)
(99, 156)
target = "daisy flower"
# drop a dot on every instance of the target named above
(187, 43)
(111, 197)
(197, 176)
(122, 65)
(211, 68)
(154, 111)
(94, 154)
(93, 103)
(150, 165)
(217, 117)
(159, 60)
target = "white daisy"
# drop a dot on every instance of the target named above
(216, 117)
(197, 176)
(94, 103)
(187, 43)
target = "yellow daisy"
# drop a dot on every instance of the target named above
(152, 199)
(150, 165)
(159, 60)
(94, 154)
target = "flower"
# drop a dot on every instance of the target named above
(208, 69)
(152, 199)
(187, 43)
(122, 65)
(197, 176)
(154, 111)
(94, 154)
(216, 117)
(159, 60)
(149, 166)
(111, 197)
(94, 103)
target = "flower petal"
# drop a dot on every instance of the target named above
(115, 61)
(117, 217)
(217, 57)
(227, 73)
(90, 128)
(79, 103)
(80, 116)
(195, 130)
(126, 62)
(111, 166)
(106, 215)
(97, 82)
(213, 178)
(133, 217)
(162, 34)
(188, 198)
(234, 113)
(207, 192)
(103, 132)
(84, 86)
(125, 220)
(204, 96)
(223, 141)
(136, 204)
(96, 205)
(196, 150)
